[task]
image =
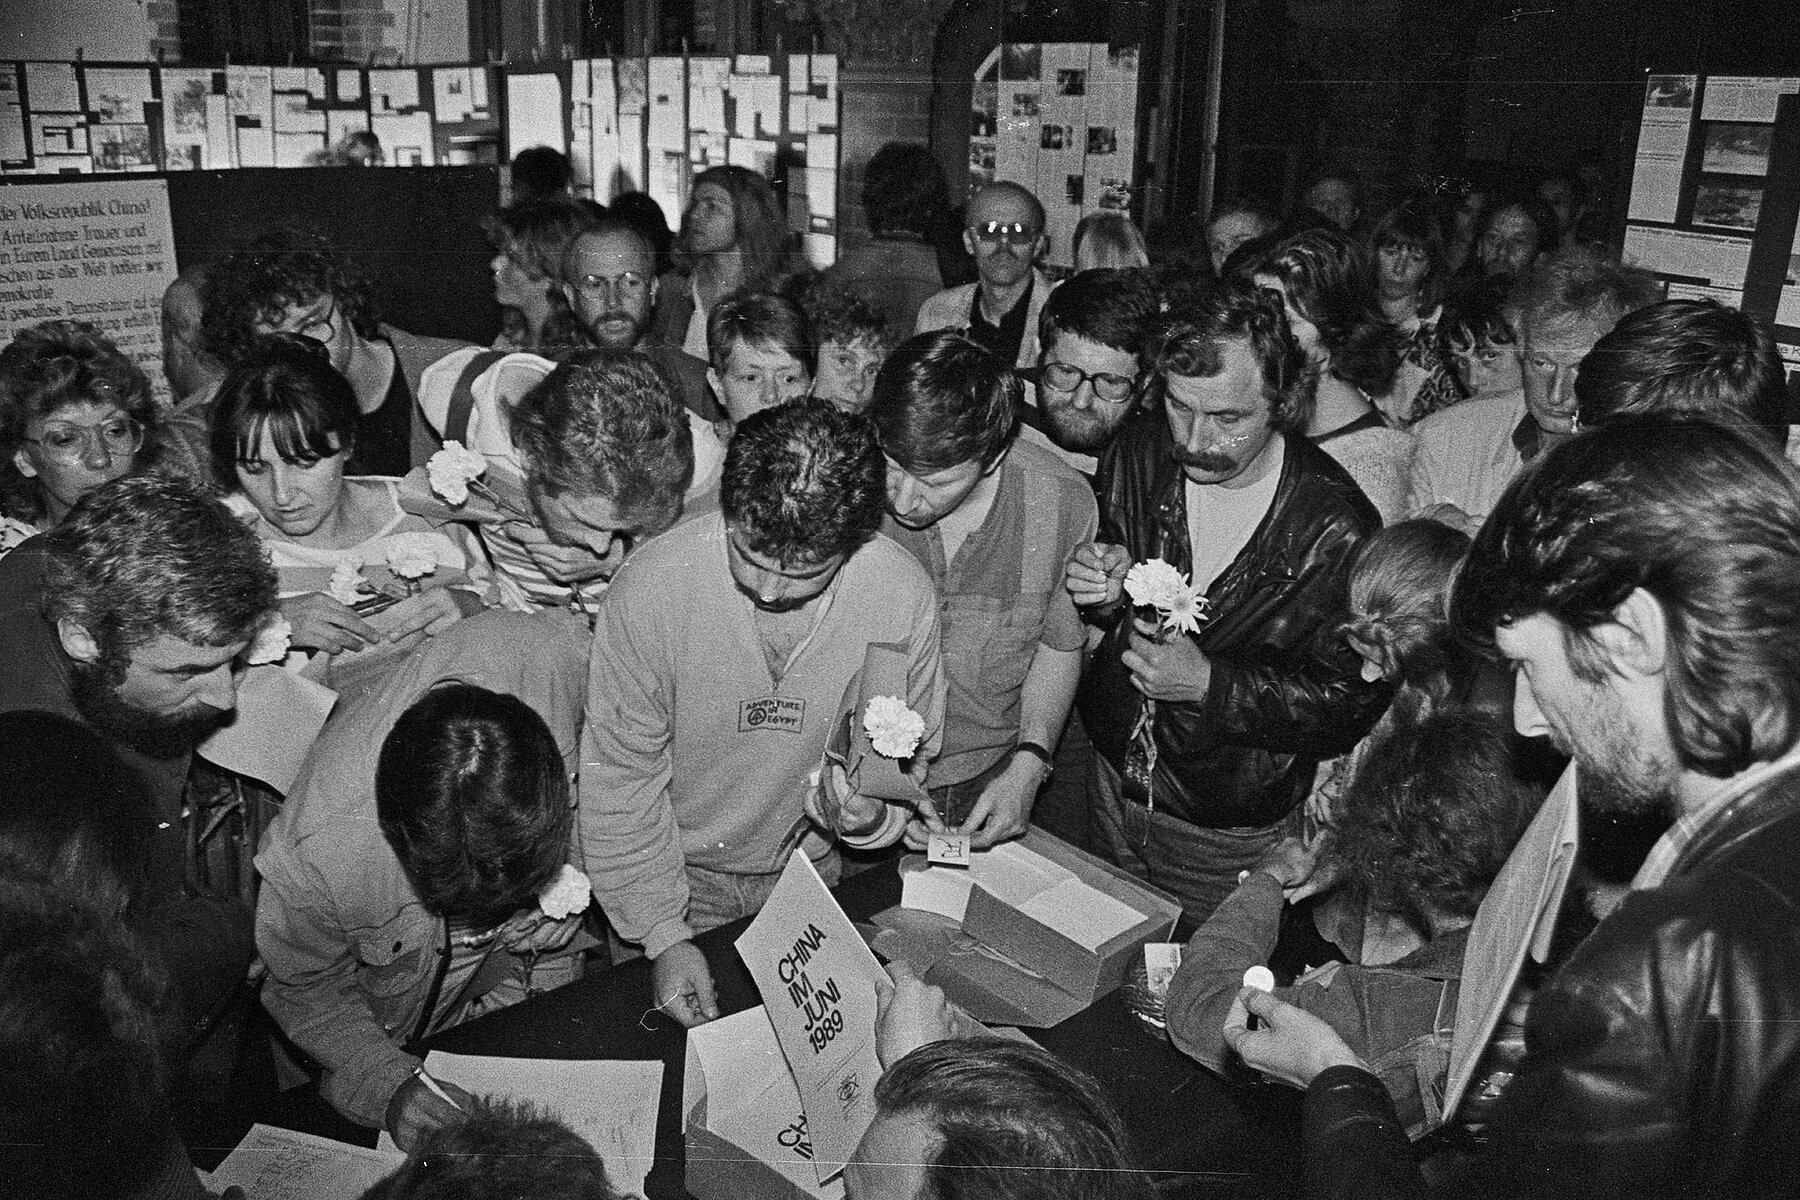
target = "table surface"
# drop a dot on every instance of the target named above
(1200, 1134)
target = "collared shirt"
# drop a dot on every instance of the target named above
(1005, 338)
(1669, 848)
(1467, 454)
(1000, 597)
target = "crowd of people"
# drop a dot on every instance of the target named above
(1438, 482)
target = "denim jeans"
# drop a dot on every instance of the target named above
(717, 897)
(1199, 866)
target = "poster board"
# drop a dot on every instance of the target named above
(1059, 118)
(99, 250)
(1715, 193)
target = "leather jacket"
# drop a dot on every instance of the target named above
(1286, 689)
(1662, 1060)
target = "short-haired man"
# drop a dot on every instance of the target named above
(1191, 789)
(599, 449)
(1469, 452)
(609, 280)
(1687, 356)
(723, 651)
(130, 617)
(1640, 579)
(380, 861)
(1004, 230)
(1332, 195)
(761, 350)
(295, 282)
(1090, 332)
(907, 203)
(993, 521)
(985, 1117)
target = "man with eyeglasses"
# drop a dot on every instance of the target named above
(1469, 452)
(609, 280)
(999, 311)
(1090, 331)
(993, 521)
(296, 282)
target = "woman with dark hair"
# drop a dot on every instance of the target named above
(74, 413)
(1406, 248)
(416, 875)
(1323, 281)
(361, 580)
(529, 240)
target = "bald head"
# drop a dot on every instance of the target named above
(186, 363)
(1004, 230)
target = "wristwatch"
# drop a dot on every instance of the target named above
(1040, 753)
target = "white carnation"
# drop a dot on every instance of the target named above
(565, 895)
(1154, 583)
(412, 555)
(894, 729)
(271, 642)
(451, 471)
(349, 586)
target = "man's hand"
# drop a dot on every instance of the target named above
(1173, 670)
(683, 985)
(1294, 862)
(567, 564)
(415, 1110)
(1004, 808)
(1095, 575)
(835, 807)
(531, 931)
(909, 1013)
(430, 613)
(1291, 1044)
(920, 828)
(321, 623)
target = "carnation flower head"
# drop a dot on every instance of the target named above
(894, 729)
(271, 642)
(565, 895)
(412, 555)
(1187, 609)
(451, 471)
(349, 585)
(1153, 583)
(13, 531)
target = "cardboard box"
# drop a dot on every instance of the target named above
(742, 1119)
(1006, 966)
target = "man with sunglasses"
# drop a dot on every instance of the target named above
(999, 311)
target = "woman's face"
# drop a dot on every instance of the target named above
(75, 448)
(847, 373)
(514, 284)
(758, 377)
(1402, 269)
(294, 497)
(1305, 332)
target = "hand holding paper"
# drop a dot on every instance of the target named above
(683, 985)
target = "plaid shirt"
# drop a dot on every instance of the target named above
(1669, 848)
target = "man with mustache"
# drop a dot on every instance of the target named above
(999, 311)
(1189, 790)
(722, 652)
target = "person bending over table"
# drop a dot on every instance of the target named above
(1429, 821)
(400, 881)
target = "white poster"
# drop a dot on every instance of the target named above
(1712, 258)
(1110, 138)
(1020, 127)
(665, 136)
(99, 251)
(1662, 147)
(1061, 180)
(1744, 98)
(534, 107)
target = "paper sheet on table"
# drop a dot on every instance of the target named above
(279, 1164)
(1518, 916)
(279, 715)
(1082, 913)
(612, 1105)
(1043, 890)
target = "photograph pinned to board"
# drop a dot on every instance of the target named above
(1669, 91)
(14, 154)
(1737, 149)
(117, 95)
(1727, 206)
(122, 148)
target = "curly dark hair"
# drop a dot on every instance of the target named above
(1431, 816)
(608, 423)
(903, 190)
(804, 481)
(1327, 279)
(941, 401)
(84, 1045)
(473, 796)
(255, 284)
(1185, 341)
(57, 363)
(1012, 1122)
(1706, 520)
(503, 1148)
(145, 555)
(841, 315)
